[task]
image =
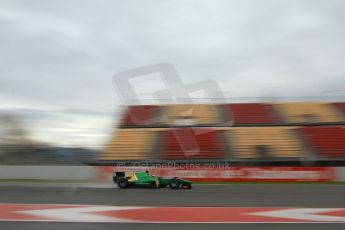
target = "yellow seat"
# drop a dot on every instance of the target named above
(129, 144)
(258, 142)
(308, 112)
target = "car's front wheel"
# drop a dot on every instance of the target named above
(174, 183)
(122, 183)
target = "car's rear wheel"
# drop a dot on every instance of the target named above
(174, 183)
(122, 183)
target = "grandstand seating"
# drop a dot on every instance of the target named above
(191, 143)
(264, 132)
(327, 141)
(340, 106)
(140, 115)
(250, 113)
(264, 142)
(199, 114)
(308, 112)
(130, 144)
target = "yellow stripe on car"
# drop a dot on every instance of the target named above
(133, 177)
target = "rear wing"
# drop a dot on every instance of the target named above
(117, 175)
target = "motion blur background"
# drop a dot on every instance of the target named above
(258, 96)
(58, 106)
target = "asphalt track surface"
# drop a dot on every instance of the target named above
(249, 195)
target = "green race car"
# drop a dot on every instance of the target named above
(145, 179)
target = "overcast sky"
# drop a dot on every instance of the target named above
(57, 57)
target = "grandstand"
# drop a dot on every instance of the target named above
(340, 106)
(326, 141)
(191, 143)
(278, 133)
(195, 114)
(299, 112)
(130, 144)
(264, 142)
(250, 113)
(145, 115)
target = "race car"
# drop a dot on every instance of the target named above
(145, 179)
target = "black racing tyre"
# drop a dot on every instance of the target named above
(122, 183)
(174, 183)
